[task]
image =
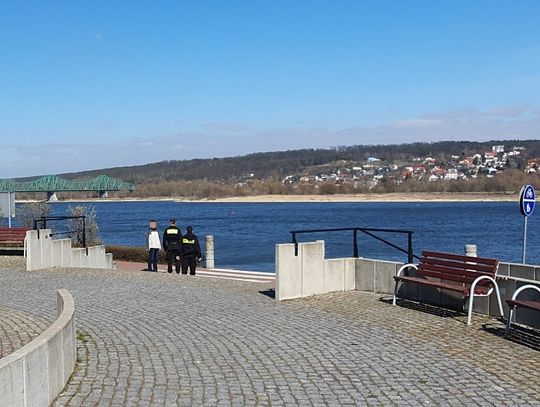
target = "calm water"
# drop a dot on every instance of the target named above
(245, 233)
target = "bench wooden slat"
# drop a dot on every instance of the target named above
(445, 276)
(534, 305)
(439, 255)
(12, 236)
(463, 265)
(444, 273)
(451, 287)
(432, 283)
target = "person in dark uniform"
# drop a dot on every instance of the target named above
(172, 244)
(191, 251)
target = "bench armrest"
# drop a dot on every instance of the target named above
(523, 288)
(405, 267)
(512, 306)
(401, 269)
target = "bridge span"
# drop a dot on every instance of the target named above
(52, 184)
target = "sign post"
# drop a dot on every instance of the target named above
(527, 200)
(9, 210)
(7, 206)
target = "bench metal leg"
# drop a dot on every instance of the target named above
(508, 322)
(471, 296)
(469, 311)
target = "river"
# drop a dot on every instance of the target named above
(245, 233)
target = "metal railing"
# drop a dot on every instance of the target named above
(368, 231)
(44, 219)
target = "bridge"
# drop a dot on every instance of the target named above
(52, 184)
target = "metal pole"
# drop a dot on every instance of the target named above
(524, 239)
(410, 258)
(9, 209)
(355, 244)
(295, 243)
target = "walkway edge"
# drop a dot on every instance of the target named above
(35, 374)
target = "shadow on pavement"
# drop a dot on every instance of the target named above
(518, 334)
(426, 308)
(269, 293)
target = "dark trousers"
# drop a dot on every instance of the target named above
(153, 259)
(172, 258)
(191, 262)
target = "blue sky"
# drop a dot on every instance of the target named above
(95, 84)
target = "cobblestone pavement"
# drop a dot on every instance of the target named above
(17, 329)
(150, 339)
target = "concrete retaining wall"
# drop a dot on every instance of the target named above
(35, 374)
(44, 252)
(310, 273)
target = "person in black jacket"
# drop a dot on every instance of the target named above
(191, 251)
(172, 244)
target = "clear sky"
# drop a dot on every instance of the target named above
(95, 84)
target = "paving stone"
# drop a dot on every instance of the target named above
(160, 340)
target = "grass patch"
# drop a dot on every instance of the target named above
(134, 254)
(82, 336)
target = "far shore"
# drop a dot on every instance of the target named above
(389, 197)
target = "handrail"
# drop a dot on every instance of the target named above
(45, 219)
(368, 231)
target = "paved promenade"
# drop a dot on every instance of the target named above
(154, 339)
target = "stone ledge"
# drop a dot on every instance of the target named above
(35, 374)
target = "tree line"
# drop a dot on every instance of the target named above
(263, 173)
(281, 163)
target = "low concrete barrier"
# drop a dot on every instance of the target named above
(309, 273)
(35, 374)
(42, 251)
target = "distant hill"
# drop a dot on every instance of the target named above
(279, 164)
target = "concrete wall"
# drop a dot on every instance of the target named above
(310, 273)
(44, 252)
(35, 374)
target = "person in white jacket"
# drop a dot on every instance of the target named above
(153, 245)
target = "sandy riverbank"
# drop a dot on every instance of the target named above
(398, 197)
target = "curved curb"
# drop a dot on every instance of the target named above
(35, 374)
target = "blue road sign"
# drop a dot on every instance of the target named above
(527, 200)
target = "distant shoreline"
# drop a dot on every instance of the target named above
(388, 197)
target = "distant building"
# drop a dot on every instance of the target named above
(452, 174)
(419, 168)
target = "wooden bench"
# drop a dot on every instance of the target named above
(12, 237)
(515, 303)
(469, 276)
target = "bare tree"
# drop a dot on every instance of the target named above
(29, 212)
(91, 230)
